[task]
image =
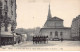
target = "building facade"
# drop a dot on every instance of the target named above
(7, 20)
(54, 28)
(75, 27)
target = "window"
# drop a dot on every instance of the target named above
(11, 2)
(0, 11)
(56, 33)
(61, 33)
(6, 2)
(5, 14)
(0, 3)
(50, 33)
(12, 12)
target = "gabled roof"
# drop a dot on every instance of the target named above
(67, 28)
(55, 19)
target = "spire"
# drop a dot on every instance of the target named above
(49, 13)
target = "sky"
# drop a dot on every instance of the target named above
(33, 13)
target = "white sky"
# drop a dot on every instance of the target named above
(33, 13)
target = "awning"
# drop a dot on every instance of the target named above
(6, 34)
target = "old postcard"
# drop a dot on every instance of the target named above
(39, 25)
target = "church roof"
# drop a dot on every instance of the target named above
(56, 28)
(55, 19)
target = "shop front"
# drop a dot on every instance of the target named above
(6, 38)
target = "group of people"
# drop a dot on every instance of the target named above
(40, 39)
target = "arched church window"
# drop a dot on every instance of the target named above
(56, 33)
(50, 33)
(61, 33)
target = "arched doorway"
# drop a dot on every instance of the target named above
(51, 36)
(56, 34)
(61, 34)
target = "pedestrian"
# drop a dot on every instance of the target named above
(38, 39)
(33, 39)
(44, 39)
(47, 39)
(61, 39)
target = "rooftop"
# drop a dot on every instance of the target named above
(55, 19)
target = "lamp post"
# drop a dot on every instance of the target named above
(61, 34)
(12, 29)
(0, 29)
(1, 20)
(79, 33)
(0, 33)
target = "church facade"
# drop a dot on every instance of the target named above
(54, 28)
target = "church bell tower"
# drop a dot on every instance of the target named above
(49, 13)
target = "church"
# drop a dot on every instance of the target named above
(54, 28)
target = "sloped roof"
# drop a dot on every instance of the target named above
(55, 19)
(7, 34)
(56, 28)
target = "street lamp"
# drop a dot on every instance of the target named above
(12, 29)
(0, 34)
(79, 33)
(61, 34)
(1, 20)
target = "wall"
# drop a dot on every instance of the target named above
(54, 24)
(66, 33)
(9, 7)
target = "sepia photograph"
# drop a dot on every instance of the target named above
(40, 25)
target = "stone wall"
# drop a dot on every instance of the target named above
(66, 32)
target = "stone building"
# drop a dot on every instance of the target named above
(54, 28)
(75, 27)
(7, 20)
